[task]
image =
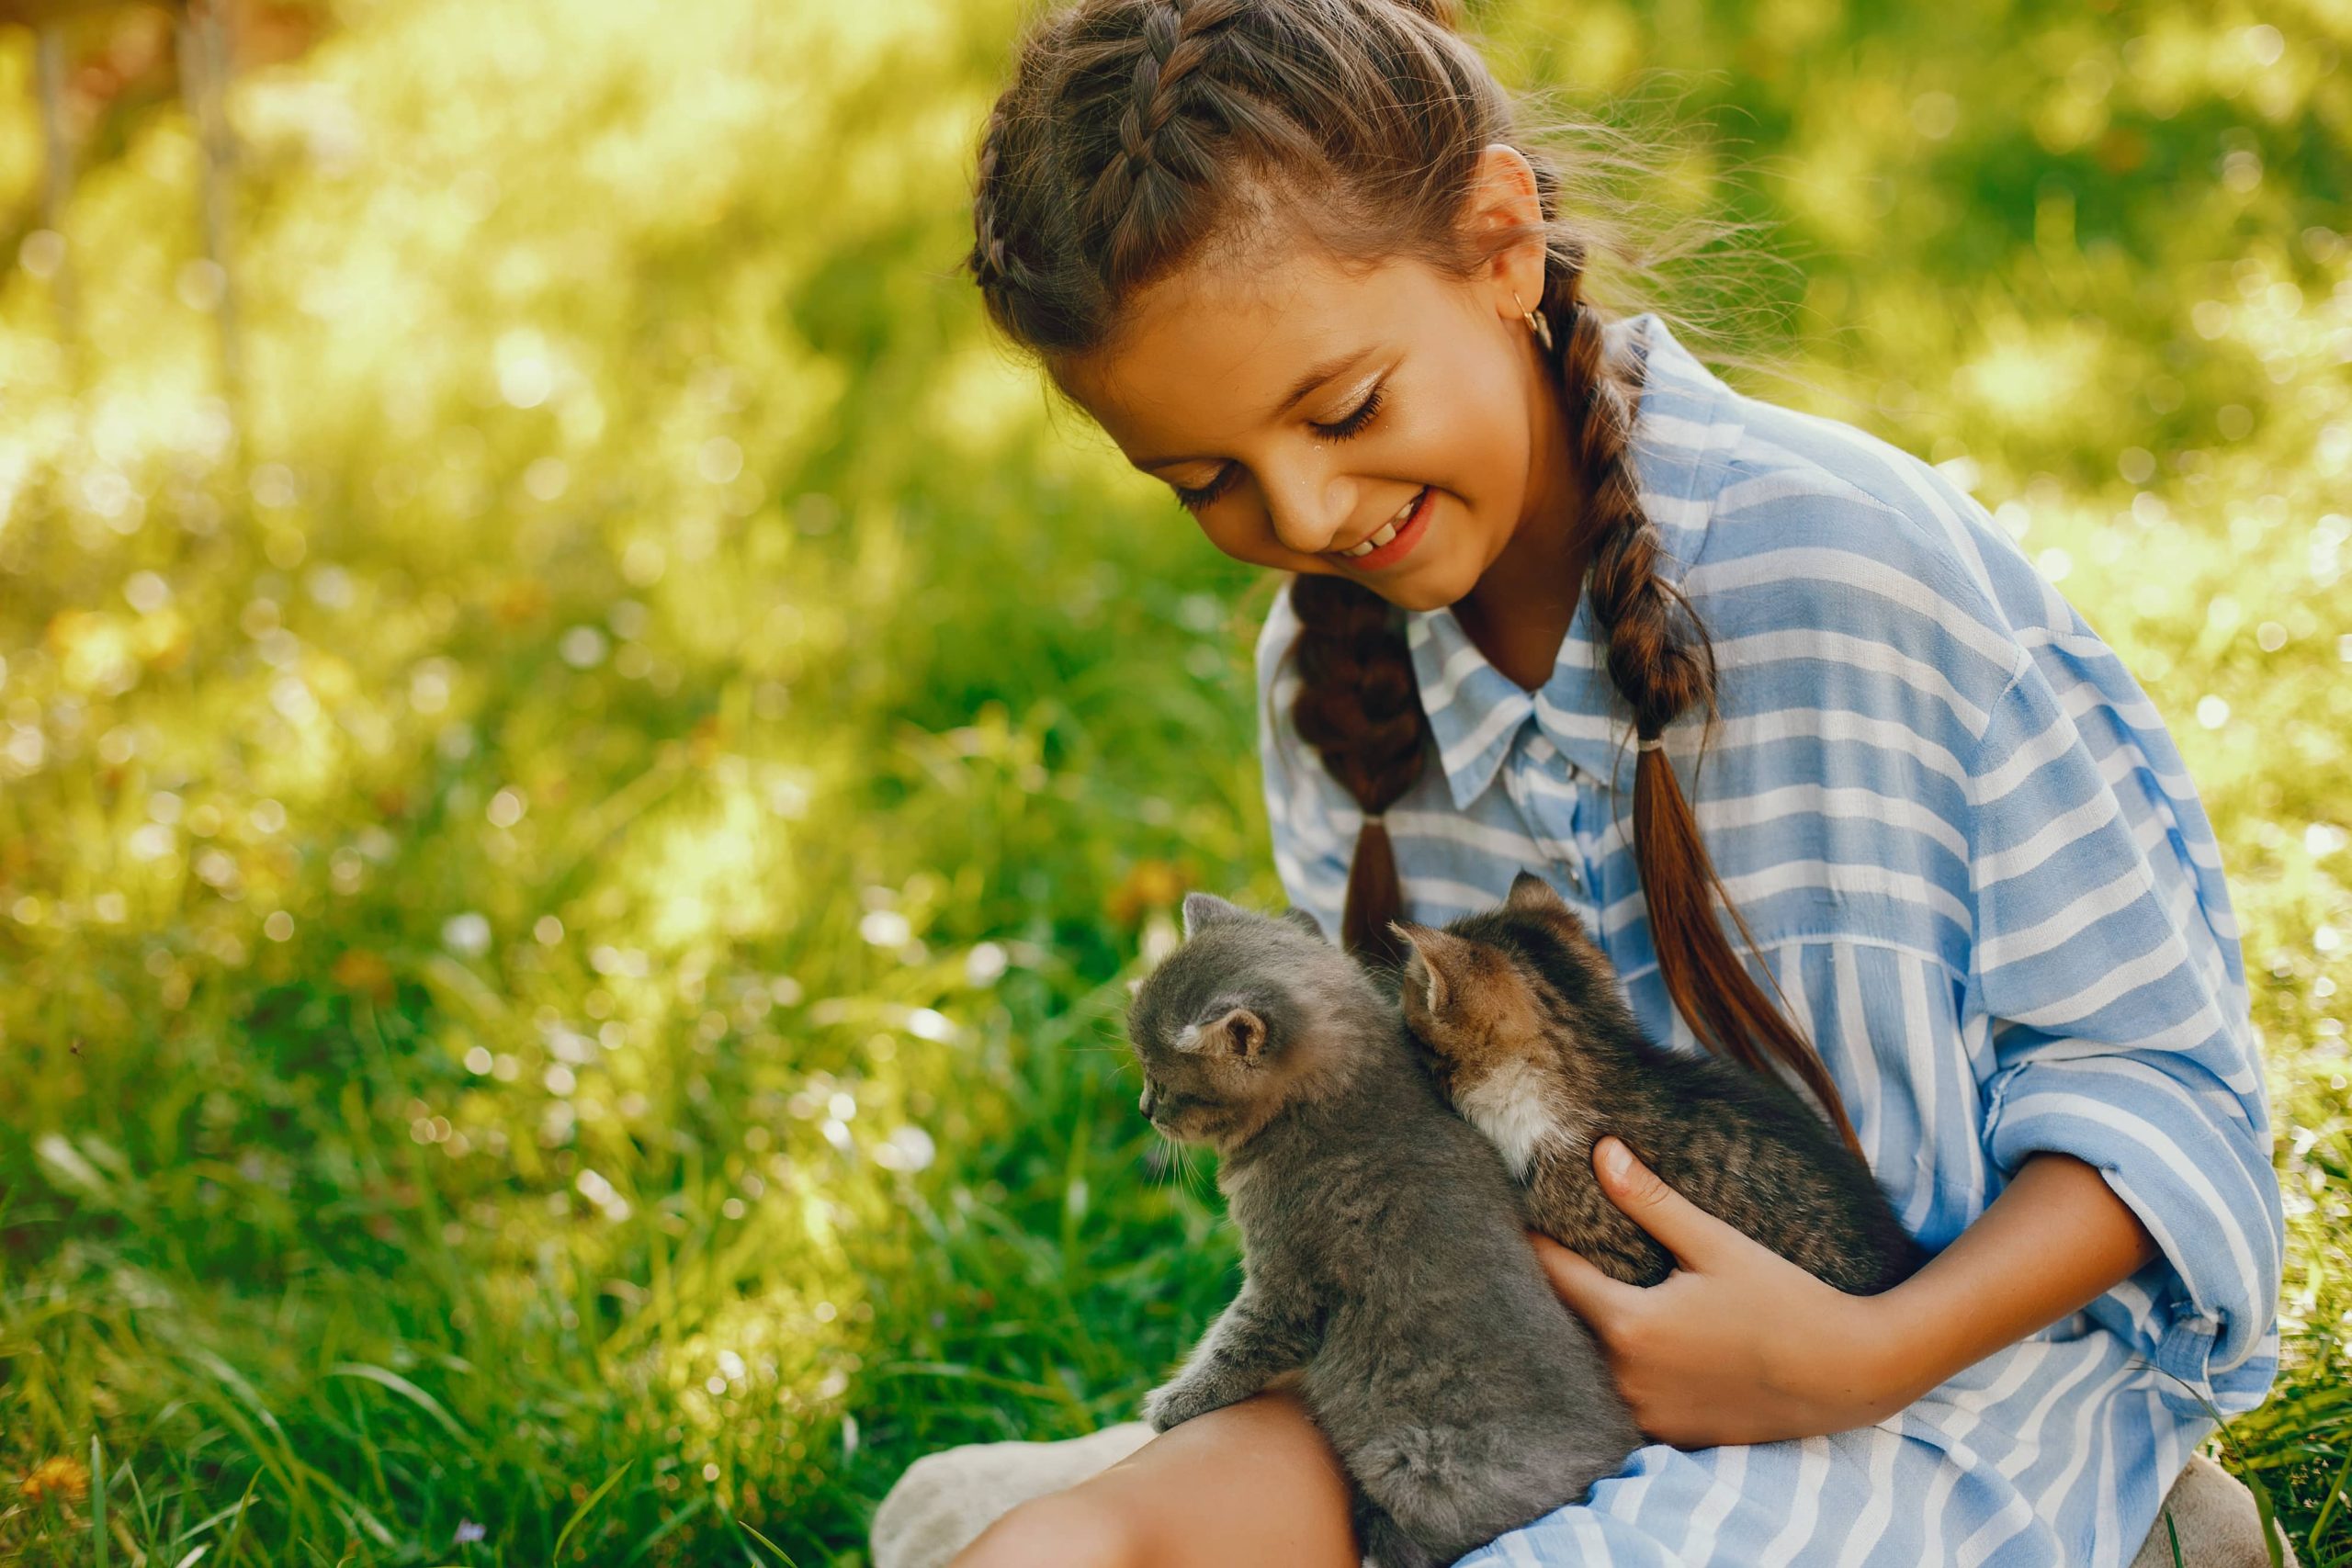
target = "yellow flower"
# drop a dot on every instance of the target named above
(62, 1476)
(357, 969)
(1150, 885)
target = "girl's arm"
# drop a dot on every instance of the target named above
(1741, 1346)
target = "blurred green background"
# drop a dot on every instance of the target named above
(586, 760)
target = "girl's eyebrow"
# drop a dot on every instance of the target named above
(1315, 377)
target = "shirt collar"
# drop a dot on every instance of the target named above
(1685, 426)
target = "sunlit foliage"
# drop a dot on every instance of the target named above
(571, 841)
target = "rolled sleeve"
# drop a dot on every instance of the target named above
(1306, 810)
(2105, 957)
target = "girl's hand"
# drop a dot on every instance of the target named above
(1738, 1345)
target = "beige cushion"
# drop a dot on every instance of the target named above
(2219, 1527)
(946, 1499)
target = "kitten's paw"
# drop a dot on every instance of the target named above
(1173, 1403)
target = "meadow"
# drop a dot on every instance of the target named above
(587, 760)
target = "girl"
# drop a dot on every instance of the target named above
(1295, 259)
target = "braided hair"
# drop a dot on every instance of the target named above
(1135, 135)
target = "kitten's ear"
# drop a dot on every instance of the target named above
(1431, 959)
(1306, 922)
(1532, 894)
(1205, 910)
(1240, 1034)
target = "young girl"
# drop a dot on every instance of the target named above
(1941, 866)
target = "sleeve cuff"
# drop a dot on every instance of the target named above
(2209, 1320)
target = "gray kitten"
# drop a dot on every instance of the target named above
(1382, 1241)
(1532, 1041)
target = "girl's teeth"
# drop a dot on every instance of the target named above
(1387, 530)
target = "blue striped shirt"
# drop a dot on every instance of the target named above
(1975, 864)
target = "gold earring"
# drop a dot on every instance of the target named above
(1535, 322)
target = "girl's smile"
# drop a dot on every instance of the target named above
(1396, 536)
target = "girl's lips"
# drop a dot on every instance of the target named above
(1409, 535)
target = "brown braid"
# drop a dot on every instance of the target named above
(991, 260)
(1360, 707)
(1661, 662)
(1138, 132)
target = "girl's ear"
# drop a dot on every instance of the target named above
(1503, 197)
(1205, 910)
(1306, 922)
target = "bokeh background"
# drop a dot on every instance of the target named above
(585, 760)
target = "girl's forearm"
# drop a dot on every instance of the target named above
(2055, 1240)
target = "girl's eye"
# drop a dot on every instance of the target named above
(1353, 424)
(1364, 414)
(1193, 500)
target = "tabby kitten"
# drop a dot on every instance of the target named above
(1532, 1041)
(1384, 1258)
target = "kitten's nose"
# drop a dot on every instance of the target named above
(1148, 1101)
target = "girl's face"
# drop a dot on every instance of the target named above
(1303, 413)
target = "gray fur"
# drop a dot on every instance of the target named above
(1523, 984)
(1386, 1265)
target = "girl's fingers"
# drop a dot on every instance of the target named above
(1695, 1237)
(1590, 1294)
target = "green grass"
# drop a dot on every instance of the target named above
(563, 933)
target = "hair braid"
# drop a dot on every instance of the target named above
(1163, 162)
(1661, 662)
(1360, 707)
(992, 262)
(1658, 654)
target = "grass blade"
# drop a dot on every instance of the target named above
(101, 1548)
(2336, 1494)
(237, 1531)
(586, 1508)
(2271, 1540)
(763, 1540)
(662, 1531)
(406, 1389)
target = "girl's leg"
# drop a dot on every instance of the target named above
(1253, 1483)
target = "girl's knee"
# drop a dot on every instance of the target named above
(1078, 1528)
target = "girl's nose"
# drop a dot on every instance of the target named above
(1307, 510)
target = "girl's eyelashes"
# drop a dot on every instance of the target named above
(1353, 424)
(1193, 500)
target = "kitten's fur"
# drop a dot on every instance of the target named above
(1383, 1245)
(1533, 1042)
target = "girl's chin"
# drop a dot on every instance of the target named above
(1415, 584)
(1428, 586)
(1406, 596)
